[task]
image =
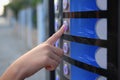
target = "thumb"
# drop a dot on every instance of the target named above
(56, 36)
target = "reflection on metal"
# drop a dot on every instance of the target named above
(56, 4)
(57, 25)
(65, 4)
(57, 77)
(65, 48)
(66, 69)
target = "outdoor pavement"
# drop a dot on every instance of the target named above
(12, 47)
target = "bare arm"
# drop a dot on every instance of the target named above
(44, 55)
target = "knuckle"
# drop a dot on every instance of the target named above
(46, 58)
(46, 46)
(61, 52)
(47, 52)
(59, 61)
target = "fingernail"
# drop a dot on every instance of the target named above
(65, 27)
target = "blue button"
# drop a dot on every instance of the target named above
(90, 28)
(89, 54)
(81, 74)
(87, 5)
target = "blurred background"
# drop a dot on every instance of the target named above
(23, 25)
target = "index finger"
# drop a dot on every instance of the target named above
(56, 36)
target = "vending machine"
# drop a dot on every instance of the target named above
(91, 40)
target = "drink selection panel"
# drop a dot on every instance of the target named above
(79, 32)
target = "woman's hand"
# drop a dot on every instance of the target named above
(44, 55)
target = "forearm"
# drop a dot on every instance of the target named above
(22, 68)
(44, 55)
(15, 72)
